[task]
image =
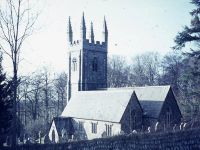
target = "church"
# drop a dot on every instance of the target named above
(95, 111)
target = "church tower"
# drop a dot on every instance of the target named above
(87, 60)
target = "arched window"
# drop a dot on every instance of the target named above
(168, 117)
(53, 136)
(74, 64)
(134, 120)
(94, 64)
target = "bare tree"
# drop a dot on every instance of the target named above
(23, 88)
(16, 24)
(172, 64)
(35, 95)
(47, 93)
(37, 98)
(145, 69)
(117, 71)
(138, 71)
(61, 89)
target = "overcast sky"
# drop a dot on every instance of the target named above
(134, 26)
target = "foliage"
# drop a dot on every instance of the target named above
(145, 69)
(61, 90)
(5, 105)
(16, 25)
(189, 77)
(41, 97)
(172, 65)
(34, 128)
(117, 71)
(190, 33)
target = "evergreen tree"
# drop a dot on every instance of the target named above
(190, 73)
(5, 105)
(191, 33)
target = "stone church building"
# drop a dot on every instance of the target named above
(95, 111)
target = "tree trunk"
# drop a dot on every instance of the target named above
(58, 108)
(62, 101)
(14, 126)
(25, 109)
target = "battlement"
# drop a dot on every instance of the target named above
(97, 45)
(87, 44)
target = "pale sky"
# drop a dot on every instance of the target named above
(134, 26)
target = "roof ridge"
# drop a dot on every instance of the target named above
(156, 86)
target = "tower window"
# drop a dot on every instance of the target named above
(74, 64)
(94, 64)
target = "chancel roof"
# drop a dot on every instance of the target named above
(151, 108)
(151, 98)
(99, 105)
(148, 93)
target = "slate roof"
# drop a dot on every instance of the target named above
(151, 98)
(148, 93)
(98, 105)
(110, 104)
(151, 108)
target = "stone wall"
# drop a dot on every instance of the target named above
(182, 140)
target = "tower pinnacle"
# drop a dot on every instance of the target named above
(70, 32)
(83, 28)
(105, 31)
(92, 33)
